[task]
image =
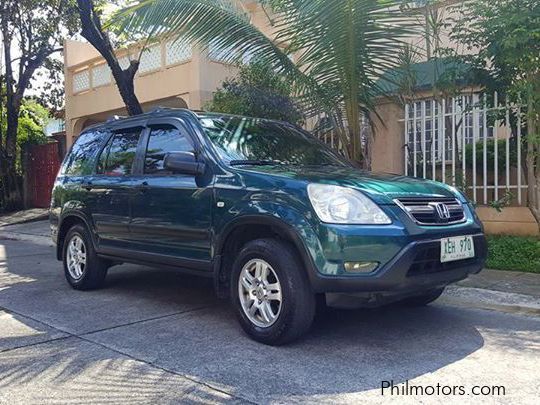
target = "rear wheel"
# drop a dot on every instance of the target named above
(83, 269)
(271, 292)
(424, 299)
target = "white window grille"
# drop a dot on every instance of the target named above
(466, 141)
(81, 81)
(101, 75)
(150, 59)
(177, 51)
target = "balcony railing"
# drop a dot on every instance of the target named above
(154, 58)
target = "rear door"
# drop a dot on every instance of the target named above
(171, 216)
(111, 188)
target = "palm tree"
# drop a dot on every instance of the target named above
(341, 47)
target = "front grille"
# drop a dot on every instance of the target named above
(428, 258)
(431, 211)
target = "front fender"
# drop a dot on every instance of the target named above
(292, 223)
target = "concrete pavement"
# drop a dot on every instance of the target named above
(157, 336)
(24, 216)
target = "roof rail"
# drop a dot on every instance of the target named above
(159, 109)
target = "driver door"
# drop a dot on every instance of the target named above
(171, 213)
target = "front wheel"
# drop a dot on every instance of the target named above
(271, 292)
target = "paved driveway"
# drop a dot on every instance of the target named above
(157, 336)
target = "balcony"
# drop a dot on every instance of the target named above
(171, 73)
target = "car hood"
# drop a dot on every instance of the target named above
(381, 187)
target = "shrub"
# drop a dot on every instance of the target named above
(514, 253)
(257, 91)
(490, 154)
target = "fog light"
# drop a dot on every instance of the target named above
(360, 267)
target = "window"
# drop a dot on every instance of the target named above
(81, 158)
(239, 139)
(118, 156)
(163, 139)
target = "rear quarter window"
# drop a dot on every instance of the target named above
(80, 161)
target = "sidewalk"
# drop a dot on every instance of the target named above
(506, 281)
(504, 291)
(21, 217)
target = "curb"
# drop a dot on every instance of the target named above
(25, 237)
(25, 221)
(480, 298)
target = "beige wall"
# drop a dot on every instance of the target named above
(388, 138)
(517, 221)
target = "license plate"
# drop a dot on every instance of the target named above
(457, 248)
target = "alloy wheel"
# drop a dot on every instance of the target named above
(259, 291)
(76, 257)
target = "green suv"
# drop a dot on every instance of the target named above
(275, 217)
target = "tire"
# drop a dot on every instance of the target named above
(93, 271)
(424, 299)
(291, 317)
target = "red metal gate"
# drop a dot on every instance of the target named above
(42, 164)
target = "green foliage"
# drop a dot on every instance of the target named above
(514, 253)
(33, 118)
(490, 155)
(257, 91)
(503, 202)
(32, 121)
(507, 36)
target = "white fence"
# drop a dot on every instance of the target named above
(472, 141)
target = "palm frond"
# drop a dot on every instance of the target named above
(219, 24)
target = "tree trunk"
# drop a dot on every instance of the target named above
(355, 134)
(12, 194)
(93, 32)
(126, 86)
(10, 179)
(533, 173)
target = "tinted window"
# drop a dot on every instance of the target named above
(243, 139)
(163, 140)
(118, 156)
(80, 161)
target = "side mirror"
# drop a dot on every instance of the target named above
(184, 163)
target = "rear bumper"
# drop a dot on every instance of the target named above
(414, 269)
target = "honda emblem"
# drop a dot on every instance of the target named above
(442, 211)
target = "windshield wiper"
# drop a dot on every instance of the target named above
(255, 163)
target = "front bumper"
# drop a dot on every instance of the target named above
(416, 268)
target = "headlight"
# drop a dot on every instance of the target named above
(342, 205)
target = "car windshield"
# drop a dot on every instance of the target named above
(255, 141)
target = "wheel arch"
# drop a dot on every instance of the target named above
(67, 222)
(246, 228)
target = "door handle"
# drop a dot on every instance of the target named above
(87, 185)
(143, 187)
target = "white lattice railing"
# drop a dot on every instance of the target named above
(156, 57)
(81, 81)
(473, 142)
